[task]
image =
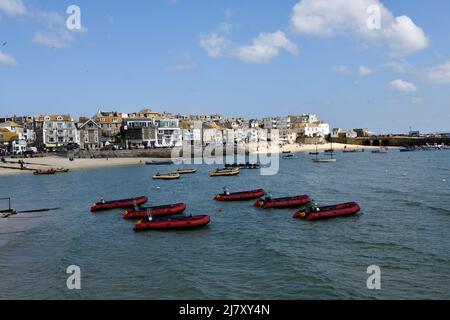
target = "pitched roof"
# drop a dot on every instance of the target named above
(7, 135)
(90, 120)
(9, 124)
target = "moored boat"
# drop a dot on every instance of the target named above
(352, 150)
(324, 160)
(247, 165)
(225, 172)
(62, 170)
(156, 211)
(238, 196)
(318, 213)
(176, 223)
(186, 171)
(158, 163)
(283, 202)
(381, 150)
(408, 149)
(44, 172)
(167, 176)
(116, 204)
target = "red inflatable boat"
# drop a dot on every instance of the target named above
(343, 209)
(244, 195)
(143, 212)
(283, 202)
(177, 223)
(115, 204)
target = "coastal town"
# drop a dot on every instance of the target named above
(148, 129)
(109, 130)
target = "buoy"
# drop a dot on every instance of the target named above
(158, 187)
(220, 209)
(444, 180)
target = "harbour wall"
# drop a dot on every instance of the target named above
(393, 141)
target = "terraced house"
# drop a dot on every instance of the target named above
(110, 124)
(90, 134)
(53, 131)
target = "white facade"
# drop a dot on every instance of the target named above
(19, 146)
(315, 129)
(59, 131)
(168, 133)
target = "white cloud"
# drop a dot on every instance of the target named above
(56, 34)
(13, 7)
(439, 74)
(7, 59)
(326, 18)
(264, 48)
(402, 86)
(214, 44)
(364, 71)
(341, 69)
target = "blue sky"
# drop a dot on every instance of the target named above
(236, 58)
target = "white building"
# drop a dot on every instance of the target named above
(57, 131)
(19, 146)
(315, 129)
(168, 133)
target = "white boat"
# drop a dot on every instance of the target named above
(325, 160)
(381, 150)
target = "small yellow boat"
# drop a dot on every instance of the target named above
(168, 176)
(225, 172)
(62, 170)
(186, 171)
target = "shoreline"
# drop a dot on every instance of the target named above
(99, 163)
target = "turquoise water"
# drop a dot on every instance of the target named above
(246, 252)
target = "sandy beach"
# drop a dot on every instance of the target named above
(296, 148)
(82, 164)
(78, 164)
